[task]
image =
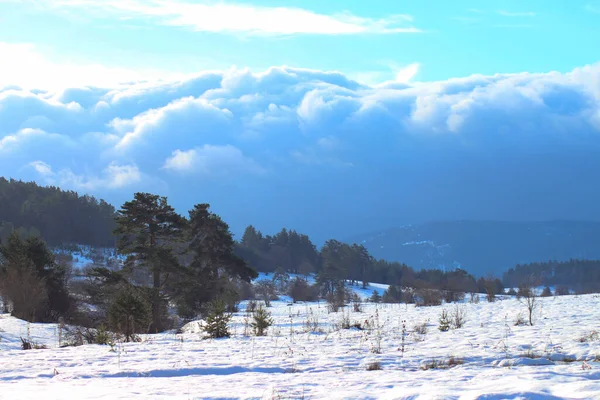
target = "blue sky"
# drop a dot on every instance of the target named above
(330, 117)
(450, 39)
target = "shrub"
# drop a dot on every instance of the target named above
(451, 296)
(561, 291)
(421, 329)
(27, 344)
(520, 320)
(392, 294)
(129, 314)
(459, 317)
(217, 321)
(300, 290)
(546, 292)
(589, 337)
(444, 321)
(78, 336)
(374, 366)
(428, 297)
(266, 291)
(261, 321)
(251, 306)
(375, 297)
(357, 306)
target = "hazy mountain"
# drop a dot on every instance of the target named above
(483, 247)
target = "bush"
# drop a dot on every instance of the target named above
(78, 336)
(261, 321)
(459, 317)
(27, 344)
(375, 297)
(428, 298)
(129, 314)
(546, 292)
(217, 321)
(26, 293)
(421, 329)
(561, 291)
(374, 366)
(266, 291)
(451, 296)
(392, 294)
(300, 290)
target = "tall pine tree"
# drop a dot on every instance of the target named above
(149, 230)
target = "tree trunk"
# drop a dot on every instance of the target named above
(157, 323)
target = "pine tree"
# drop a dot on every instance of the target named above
(261, 321)
(129, 313)
(214, 265)
(149, 229)
(217, 321)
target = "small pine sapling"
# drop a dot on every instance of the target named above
(261, 321)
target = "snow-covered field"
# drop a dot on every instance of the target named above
(494, 359)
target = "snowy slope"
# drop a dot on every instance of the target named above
(293, 363)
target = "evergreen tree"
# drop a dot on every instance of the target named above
(149, 229)
(129, 314)
(217, 321)
(214, 264)
(30, 273)
(261, 320)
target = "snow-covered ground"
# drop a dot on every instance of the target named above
(494, 358)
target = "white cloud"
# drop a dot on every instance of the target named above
(42, 168)
(210, 160)
(244, 18)
(24, 65)
(114, 176)
(476, 143)
(407, 73)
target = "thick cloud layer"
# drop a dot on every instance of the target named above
(319, 152)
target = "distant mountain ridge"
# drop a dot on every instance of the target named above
(483, 247)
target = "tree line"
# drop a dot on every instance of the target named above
(336, 262)
(583, 276)
(61, 217)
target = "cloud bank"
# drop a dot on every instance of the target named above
(317, 151)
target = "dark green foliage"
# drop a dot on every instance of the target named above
(58, 216)
(149, 230)
(444, 321)
(215, 271)
(393, 294)
(561, 291)
(32, 281)
(261, 321)
(129, 313)
(217, 321)
(337, 262)
(582, 276)
(375, 297)
(546, 292)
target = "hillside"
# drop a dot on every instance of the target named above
(483, 247)
(59, 216)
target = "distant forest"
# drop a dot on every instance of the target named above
(582, 276)
(64, 217)
(58, 216)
